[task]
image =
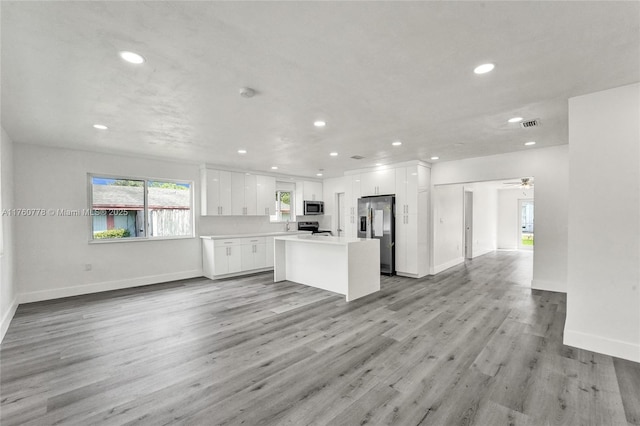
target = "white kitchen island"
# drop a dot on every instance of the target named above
(349, 266)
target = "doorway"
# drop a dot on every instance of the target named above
(525, 224)
(341, 214)
(468, 225)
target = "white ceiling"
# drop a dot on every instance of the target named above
(375, 71)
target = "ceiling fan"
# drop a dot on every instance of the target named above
(524, 182)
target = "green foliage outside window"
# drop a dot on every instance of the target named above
(112, 233)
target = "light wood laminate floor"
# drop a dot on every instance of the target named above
(472, 345)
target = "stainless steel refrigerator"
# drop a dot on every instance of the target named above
(377, 220)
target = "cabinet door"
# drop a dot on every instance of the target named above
(220, 260)
(401, 191)
(266, 187)
(250, 195)
(234, 259)
(237, 194)
(386, 181)
(351, 196)
(312, 191)
(260, 255)
(368, 184)
(411, 191)
(210, 188)
(224, 192)
(247, 257)
(299, 199)
(411, 250)
(379, 182)
(401, 241)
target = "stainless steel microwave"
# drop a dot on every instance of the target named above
(313, 207)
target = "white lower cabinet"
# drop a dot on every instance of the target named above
(221, 257)
(227, 257)
(253, 253)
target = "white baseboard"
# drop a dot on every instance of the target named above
(443, 266)
(8, 316)
(603, 345)
(482, 252)
(239, 274)
(37, 296)
(547, 285)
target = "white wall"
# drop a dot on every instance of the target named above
(603, 300)
(51, 252)
(8, 285)
(508, 216)
(448, 219)
(549, 167)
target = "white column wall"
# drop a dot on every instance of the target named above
(603, 300)
(448, 227)
(8, 283)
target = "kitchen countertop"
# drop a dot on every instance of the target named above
(322, 239)
(249, 235)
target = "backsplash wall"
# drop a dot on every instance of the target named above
(231, 225)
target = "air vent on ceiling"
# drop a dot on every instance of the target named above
(357, 157)
(530, 123)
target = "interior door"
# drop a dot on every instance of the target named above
(468, 225)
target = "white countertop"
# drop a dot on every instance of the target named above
(322, 239)
(264, 234)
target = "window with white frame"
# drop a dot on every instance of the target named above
(284, 203)
(134, 208)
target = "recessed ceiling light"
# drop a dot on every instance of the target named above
(333, 154)
(530, 143)
(132, 57)
(396, 143)
(319, 123)
(378, 164)
(318, 174)
(515, 120)
(484, 68)
(242, 151)
(435, 158)
(274, 167)
(100, 126)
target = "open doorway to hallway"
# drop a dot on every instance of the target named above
(476, 218)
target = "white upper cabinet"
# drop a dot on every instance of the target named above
(351, 199)
(312, 191)
(266, 187)
(406, 190)
(307, 191)
(215, 192)
(243, 194)
(378, 182)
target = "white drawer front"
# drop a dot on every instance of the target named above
(227, 242)
(253, 240)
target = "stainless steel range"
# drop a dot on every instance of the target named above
(313, 227)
